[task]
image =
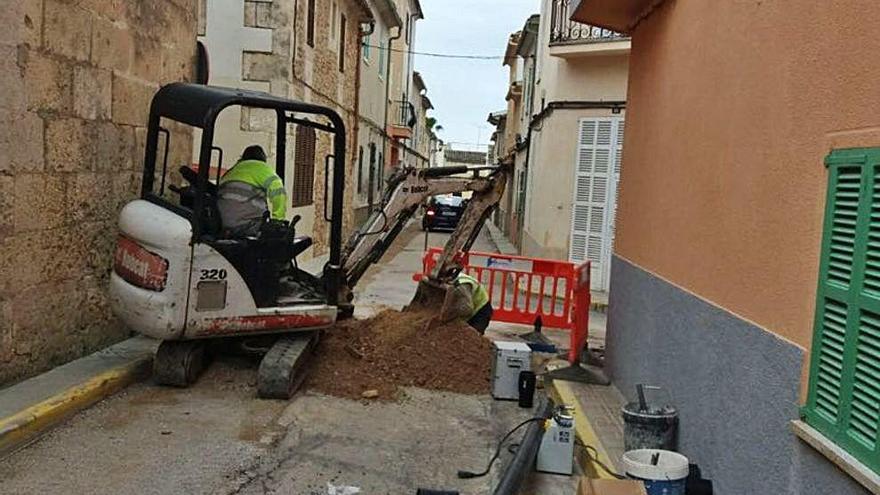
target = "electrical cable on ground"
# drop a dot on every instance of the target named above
(593, 455)
(468, 474)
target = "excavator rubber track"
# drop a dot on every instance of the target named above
(179, 363)
(281, 370)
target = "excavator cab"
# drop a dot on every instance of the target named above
(179, 277)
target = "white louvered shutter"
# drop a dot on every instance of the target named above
(613, 197)
(596, 173)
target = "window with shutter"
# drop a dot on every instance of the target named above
(382, 58)
(380, 173)
(342, 54)
(310, 24)
(360, 180)
(333, 25)
(304, 167)
(597, 170)
(843, 401)
(615, 194)
(366, 47)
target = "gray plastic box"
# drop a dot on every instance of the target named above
(510, 358)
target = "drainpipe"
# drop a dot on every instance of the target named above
(295, 19)
(385, 149)
(409, 68)
(614, 106)
(521, 215)
(409, 56)
(357, 96)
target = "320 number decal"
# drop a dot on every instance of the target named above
(213, 274)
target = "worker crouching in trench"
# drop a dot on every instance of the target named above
(468, 300)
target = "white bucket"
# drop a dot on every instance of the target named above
(667, 477)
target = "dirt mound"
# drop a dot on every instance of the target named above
(395, 349)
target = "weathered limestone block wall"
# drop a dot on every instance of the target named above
(262, 45)
(317, 79)
(76, 79)
(311, 74)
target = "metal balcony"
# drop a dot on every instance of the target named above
(402, 119)
(404, 114)
(572, 39)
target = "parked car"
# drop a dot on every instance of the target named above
(443, 212)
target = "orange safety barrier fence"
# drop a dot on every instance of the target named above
(522, 288)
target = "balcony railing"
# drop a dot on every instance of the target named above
(563, 30)
(403, 114)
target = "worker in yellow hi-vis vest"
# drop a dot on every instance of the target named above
(468, 300)
(249, 191)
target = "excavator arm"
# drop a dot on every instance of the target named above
(408, 188)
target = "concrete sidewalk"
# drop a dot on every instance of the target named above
(29, 408)
(599, 421)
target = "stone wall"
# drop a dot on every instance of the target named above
(262, 45)
(317, 79)
(76, 79)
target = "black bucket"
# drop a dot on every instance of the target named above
(647, 426)
(527, 381)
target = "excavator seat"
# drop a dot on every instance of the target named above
(262, 260)
(300, 244)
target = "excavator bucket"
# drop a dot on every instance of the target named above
(434, 296)
(408, 188)
(430, 295)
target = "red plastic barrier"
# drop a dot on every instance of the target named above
(522, 288)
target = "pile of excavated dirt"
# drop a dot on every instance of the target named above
(372, 358)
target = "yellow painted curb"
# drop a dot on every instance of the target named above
(562, 393)
(25, 426)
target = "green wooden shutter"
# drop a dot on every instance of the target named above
(844, 394)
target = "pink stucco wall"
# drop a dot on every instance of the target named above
(732, 107)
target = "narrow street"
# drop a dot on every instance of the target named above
(217, 437)
(676, 208)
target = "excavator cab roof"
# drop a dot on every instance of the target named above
(199, 106)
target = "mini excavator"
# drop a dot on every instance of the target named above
(176, 277)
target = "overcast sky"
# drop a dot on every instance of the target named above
(464, 92)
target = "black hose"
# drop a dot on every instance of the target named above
(524, 459)
(470, 474)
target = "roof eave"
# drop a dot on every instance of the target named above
(496, 118)
(389, 14)
(510, 51)
(387, 11)
(419, 81)
(529, 35)
(418, 12)
(618, 15)
(366, 11)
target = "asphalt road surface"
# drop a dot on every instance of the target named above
(218, 437)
